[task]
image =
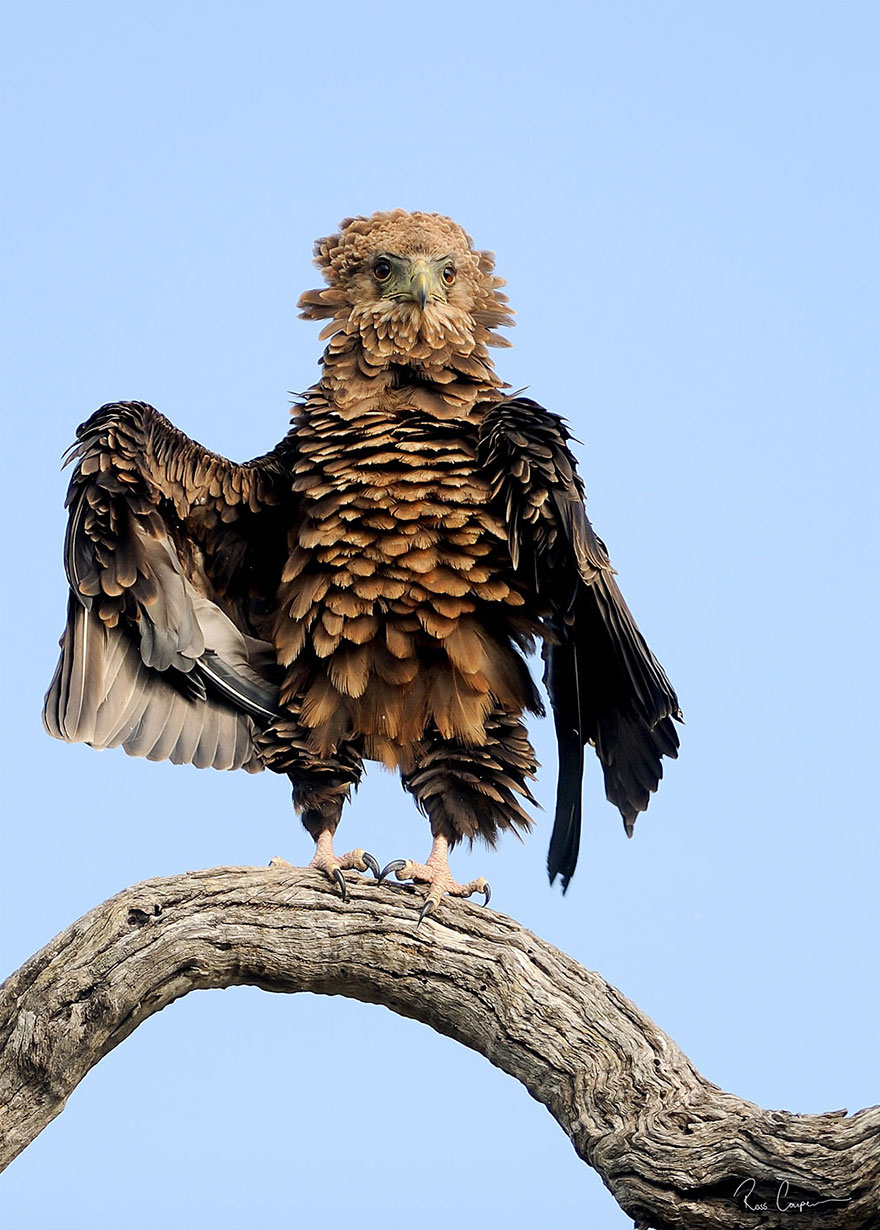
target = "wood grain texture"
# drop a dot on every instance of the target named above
(674, 1149)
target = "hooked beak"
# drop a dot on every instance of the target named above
(420, 283)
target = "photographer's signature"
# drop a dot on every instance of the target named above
(783, 1203)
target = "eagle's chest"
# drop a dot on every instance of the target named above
(394, 561)
(396, 511)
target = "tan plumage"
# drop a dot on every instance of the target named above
(369, 587)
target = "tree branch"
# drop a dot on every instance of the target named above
(674, 1149)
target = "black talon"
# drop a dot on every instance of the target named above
(488, 894)
(340, 880)
(372, 865)
(427, 908)
(397, 865)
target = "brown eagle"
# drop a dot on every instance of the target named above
(369, 588)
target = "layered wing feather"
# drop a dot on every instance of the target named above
(169, 551)
(605, 686)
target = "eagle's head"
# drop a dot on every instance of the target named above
(412, 290)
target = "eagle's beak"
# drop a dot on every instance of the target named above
(420, 283)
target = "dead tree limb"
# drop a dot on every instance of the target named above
(674, 1149)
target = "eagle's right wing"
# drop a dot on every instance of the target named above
(170, 550)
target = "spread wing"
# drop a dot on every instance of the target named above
(171, 551)
(605, 686)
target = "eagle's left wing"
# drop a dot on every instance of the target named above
(605, 685)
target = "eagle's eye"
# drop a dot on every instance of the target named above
(449, 275)
(382, 270)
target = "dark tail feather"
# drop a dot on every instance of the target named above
(565, 841)
(561, 678)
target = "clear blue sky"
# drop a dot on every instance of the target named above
(683, 198)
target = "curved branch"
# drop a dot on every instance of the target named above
(674, 1149)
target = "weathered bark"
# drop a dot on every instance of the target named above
(674, 1149)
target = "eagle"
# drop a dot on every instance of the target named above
(371, 588)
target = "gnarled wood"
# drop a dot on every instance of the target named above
(674, 1149)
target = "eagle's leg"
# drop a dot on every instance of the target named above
(467, 791)
(321, 788)
(435, 872)
(320, 791)
(332, 864)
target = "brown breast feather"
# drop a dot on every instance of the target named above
(399, 608)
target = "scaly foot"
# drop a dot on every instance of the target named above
(333, 864)
(437, 875)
